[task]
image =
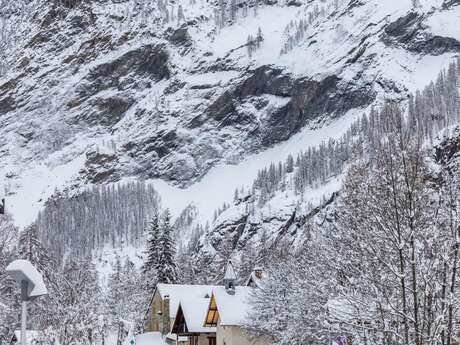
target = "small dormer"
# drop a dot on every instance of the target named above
(230, 278)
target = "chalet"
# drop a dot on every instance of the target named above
(201, 314)
(164, 307)
(227, 312)
(189, 322)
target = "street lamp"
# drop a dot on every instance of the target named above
(32, 286)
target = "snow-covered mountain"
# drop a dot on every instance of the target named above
(190, 96)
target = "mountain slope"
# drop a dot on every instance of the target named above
(103, 91)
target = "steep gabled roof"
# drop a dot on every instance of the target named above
(233, 309)
(191, 313)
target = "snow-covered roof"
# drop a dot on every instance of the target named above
(233, 309)
(230, 271)
(24, 270)
(194, 311)
(178, 293)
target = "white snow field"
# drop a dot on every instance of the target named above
(219, 185)
(150, 338)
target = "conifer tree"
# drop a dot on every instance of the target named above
(289, 164)
(152, 251)
(115, 291)
(248, 263)
(259, 37)
(263, 250)
(166, 265)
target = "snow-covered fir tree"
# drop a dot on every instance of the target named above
(166, 267)
(152, 252)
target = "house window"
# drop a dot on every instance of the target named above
(193, 340)
(213, 314)
(212, 341)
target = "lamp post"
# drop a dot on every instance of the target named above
(32, 286)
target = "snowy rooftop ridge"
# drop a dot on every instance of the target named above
(178, 293)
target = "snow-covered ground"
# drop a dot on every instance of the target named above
(26, 197)
(445, 23)
(219, 185)
(149, 338)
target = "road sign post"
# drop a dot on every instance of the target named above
(32, 286)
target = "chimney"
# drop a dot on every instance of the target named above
(258, 272)
(230, 278)
(165, 315)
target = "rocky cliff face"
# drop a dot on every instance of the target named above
(108, 89)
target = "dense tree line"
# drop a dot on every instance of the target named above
(78, 309)
(436, 107)
(71, 313)
(429, 111)
(113, 215)
(383, 267)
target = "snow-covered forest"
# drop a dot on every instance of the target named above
(380, 265)
(114, 215)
